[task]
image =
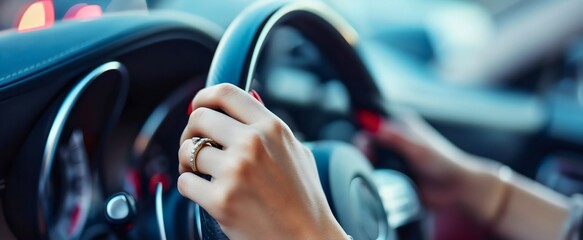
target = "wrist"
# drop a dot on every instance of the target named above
(487, 189)
(333, 231)
(325, 227)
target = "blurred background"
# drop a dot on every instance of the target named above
(501, 79)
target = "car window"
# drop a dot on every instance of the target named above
(28, 15)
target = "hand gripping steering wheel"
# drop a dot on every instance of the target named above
(346, 175)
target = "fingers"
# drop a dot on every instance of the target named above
(416, 127)
(392, 137)
(418, 130)
(205, 122)
(197, 189)
(233, 101)
(410, 135)
(210, 160)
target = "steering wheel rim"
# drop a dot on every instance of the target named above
(242, 44)
(239, 50)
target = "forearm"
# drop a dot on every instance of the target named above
(533, 211)
(516, 207)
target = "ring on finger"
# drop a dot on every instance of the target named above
(192, 151)
(199, 144)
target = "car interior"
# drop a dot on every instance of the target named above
(94, 97)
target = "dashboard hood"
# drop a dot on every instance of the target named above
(42, 65)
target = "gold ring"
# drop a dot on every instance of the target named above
(199, 143)
(194, 141)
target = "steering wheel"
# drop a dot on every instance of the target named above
(346, 175)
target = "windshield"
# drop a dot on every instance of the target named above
(27, 15)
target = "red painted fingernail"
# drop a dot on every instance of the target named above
(256, 96)
(370, 121)
(189, 111)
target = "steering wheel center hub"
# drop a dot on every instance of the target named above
(367, 208)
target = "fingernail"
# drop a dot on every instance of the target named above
(256, 96)
(189, 111)
(370, 121)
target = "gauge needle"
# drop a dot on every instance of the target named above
(74, 219)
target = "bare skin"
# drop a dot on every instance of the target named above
(515, 208)
(264, 183)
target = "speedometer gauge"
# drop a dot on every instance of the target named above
(66, 190)
(69, 189)
(55, 188)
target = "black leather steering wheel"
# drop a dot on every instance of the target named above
(345, 173)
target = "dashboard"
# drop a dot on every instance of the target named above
(300, 77)
(88, 104)
(120, 132)
(294, 80)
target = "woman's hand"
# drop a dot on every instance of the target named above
(514, 207)
(448, 177)
(264, 182)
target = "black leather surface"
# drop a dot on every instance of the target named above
(236, 57)
(37, 68)
(210, 227)
(230, 65)
(25, 54)
(231, 62)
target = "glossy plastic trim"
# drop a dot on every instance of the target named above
(59, 124)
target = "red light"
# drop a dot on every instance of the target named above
(370, 121)
(83, 11)
(159, 178)
(37, 15)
